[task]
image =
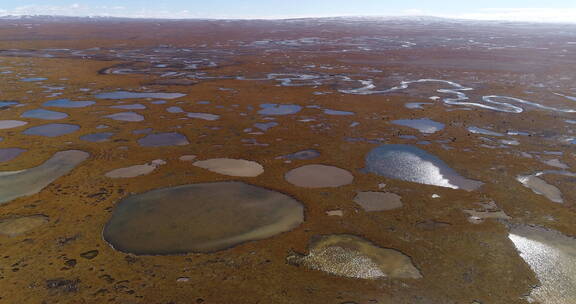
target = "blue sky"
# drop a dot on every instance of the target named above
(525, 10)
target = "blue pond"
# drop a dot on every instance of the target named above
(44, 114)
(143, 131)
(67, 103)
(97, 137)
(409, 163)
(279, 109)
(52, 130)
(135, 106)
(336, 112)
(303, 155)
(33, 79)
(265, 126)
(7, 103)
(174, 110)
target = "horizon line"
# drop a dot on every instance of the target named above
(400, 16)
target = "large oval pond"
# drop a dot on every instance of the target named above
(203, 217)
(52, 130)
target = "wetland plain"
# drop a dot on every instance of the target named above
(329, 160)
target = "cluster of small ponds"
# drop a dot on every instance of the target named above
(174, 66)
(416, 161)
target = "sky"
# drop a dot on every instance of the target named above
(514, 10)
